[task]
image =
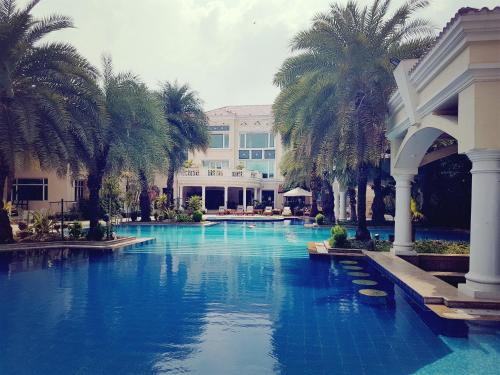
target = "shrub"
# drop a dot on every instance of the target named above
(42, 223)
(441, 247)
(184, 218)
(339, 236)
(25, 233)
(320, 219)
(197, 216)
(100, 232)
(194, 203)
(75, 230)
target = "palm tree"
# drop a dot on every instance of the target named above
(44, 88)
(346, 53)
(187, 127)
(128, 132)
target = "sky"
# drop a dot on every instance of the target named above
(227, 50)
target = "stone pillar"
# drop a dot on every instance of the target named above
(403, 244)
(225, 196)
(255, 195)
(244, 198)
(260, 195)
(203, 197)
(342, 207)
(483, 278)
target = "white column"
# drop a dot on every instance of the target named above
(342, 208)
(336, 196)
(255, 195)
(244, 198)
(260, 195)
(203, 197)
(483, 278)
(181, 196)
(225, 196)
(403, 244)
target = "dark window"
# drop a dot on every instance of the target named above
(79, 187)
(269, 154)
(30, 189)
(256, 154)
(244, 154)
(220, 128)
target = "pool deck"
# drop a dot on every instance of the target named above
(111, 245)
(440, 297)
(245, 218)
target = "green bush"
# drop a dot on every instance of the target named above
(184, 218)
(320, 219)
(100, 232)
(197, 216)
(194, 203)
(339, 236)
(441, 247)
(75, 230)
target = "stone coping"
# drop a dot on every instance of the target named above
(426, 287)
(119, 243)
(164, 223)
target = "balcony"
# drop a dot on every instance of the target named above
(224, 173)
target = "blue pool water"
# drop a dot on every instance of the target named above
(226, 299)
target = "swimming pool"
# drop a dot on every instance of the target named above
(223, 300)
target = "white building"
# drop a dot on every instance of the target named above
(241, 164)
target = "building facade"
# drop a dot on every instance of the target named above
(241, 164)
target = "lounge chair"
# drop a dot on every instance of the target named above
(268, 211)
(287, 211)
(249, 210)
(239, 210)
(222, 210)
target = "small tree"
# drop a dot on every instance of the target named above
(194, 203)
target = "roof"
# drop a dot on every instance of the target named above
(243, 110)
(467, 11)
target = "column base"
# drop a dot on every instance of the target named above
(478, 290)
(403, 249)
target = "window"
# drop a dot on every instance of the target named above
(79, 188)
(216, 164)
(244, 154)
(218, 140)
(256, 154)
(30, 189)
(270, 154)
(266, 167)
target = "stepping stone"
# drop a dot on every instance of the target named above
(373, 293)
(353, 268)
(358, 274)
(348, 262)
(364, 282)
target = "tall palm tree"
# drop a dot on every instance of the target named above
(44, 88)
(187, 127)
(128, 132)
(346, 52)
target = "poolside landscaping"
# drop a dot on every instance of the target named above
(350, 227)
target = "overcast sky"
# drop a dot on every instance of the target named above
(227, 50)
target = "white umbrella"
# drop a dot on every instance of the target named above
(298, 192)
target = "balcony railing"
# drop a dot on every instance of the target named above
(212, 172)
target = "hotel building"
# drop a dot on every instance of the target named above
(241, 164)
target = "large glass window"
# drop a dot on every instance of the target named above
(266, 167)
(216, 164)
(30, 189)
(257, 140)
(219, 140)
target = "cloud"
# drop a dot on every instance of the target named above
(228, 50)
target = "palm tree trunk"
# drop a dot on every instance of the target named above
(315, 185)
(362, 232)
(327, 201)
(170, 187)
(3, 179)
(144, 200)
(94, 184)
(378, 207)
(352, 202)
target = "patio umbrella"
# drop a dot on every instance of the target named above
(297, 192)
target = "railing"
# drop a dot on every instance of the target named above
(212, 172)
